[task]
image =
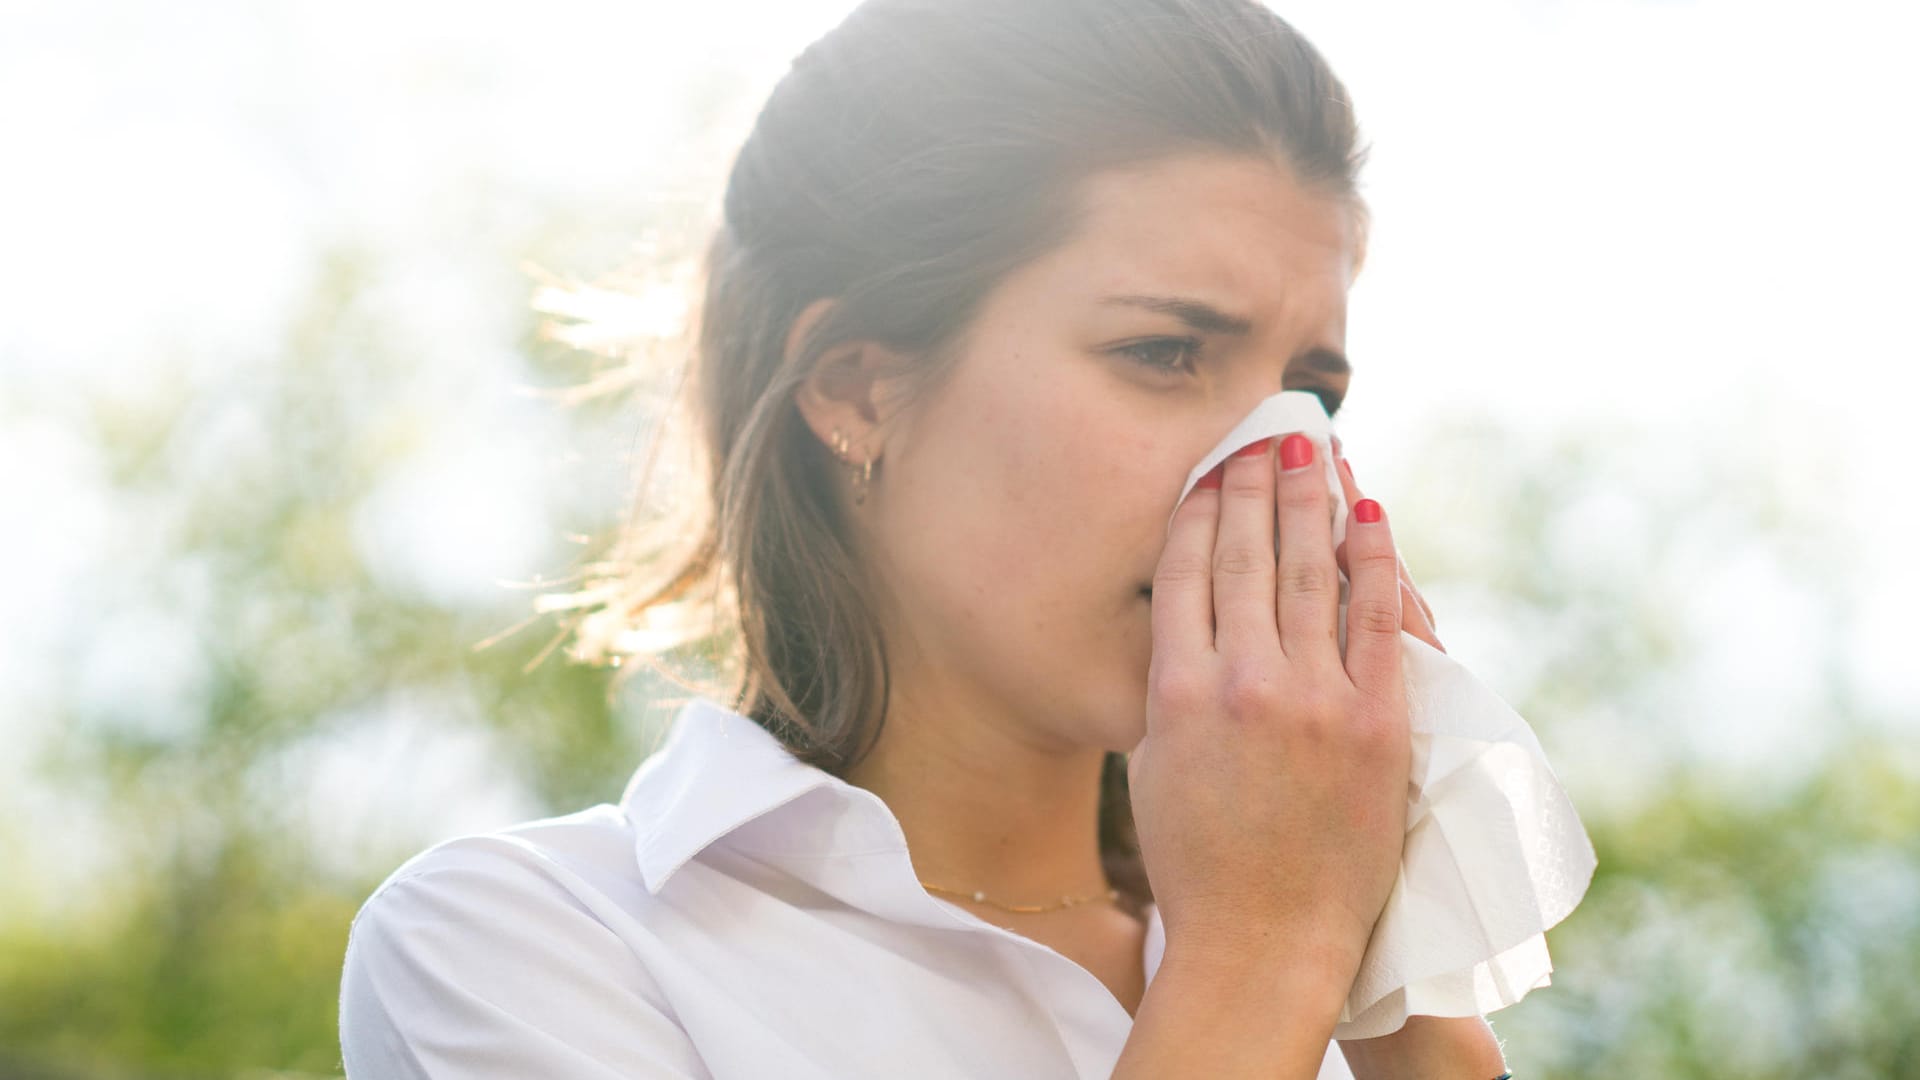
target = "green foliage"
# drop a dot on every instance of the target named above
(207, 969)
(1725, 936)
(211, 944)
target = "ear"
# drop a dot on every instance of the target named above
(846, 387)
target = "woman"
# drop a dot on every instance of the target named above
(993, 274)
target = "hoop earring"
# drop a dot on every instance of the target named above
(862, 476)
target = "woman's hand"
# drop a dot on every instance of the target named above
(1269, 791)
(1417, 612)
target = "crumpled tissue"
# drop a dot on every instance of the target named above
(1495, 853)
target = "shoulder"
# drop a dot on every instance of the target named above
(512, 939)
(543, 860)
(516, 886)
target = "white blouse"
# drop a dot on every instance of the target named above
(740, 915)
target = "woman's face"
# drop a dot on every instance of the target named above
(1020, 511)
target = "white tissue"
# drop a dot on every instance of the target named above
(1494, 854)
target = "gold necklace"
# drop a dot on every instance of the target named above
(1065, 901)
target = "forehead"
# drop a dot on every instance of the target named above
(1241, 227)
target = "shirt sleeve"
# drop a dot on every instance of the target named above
(486, 968)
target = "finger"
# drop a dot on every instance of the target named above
(1243, 564)
(1414, 621)
(1182, 601)
(1346, 481)
(1352, 489)
(1374, 613)
(1309, 587)
(1406, 575)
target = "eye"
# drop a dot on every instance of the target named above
(1188, 348)
(1329, 399)
(1140, 352)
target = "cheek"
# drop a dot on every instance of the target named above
(1017, 536)
(1055, 580)
(1025, 542)
(1031, 507)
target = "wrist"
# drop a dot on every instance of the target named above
(1306, 956)
(1311, 981)
(1430, 1048)
(1208, 1013)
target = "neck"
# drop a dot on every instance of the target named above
(989, 803)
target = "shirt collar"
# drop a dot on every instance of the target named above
(717, 771)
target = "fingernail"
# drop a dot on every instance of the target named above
(1366, 511)
(1296, 452)
(1254, 449)
(1212, 479)
(1349, 468)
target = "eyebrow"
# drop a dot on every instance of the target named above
(1208, 319)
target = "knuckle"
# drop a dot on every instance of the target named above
(1373, 616)
(1180, 690)
(1319, 718)
(1310, 579)
(1191, 507)
(1242, 483)
(1316, 728)
(1177, 570)
(1375, 559)
(1304, 491)
(1248, 693)
(1236, 561)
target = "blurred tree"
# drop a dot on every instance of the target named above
(217, 940)
(1753, 911)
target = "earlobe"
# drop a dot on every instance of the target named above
(836, 422)
(836, 395)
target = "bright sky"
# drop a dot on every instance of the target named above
(1583, 211)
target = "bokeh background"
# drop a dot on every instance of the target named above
(317, 328)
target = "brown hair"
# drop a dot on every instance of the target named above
(908, 160)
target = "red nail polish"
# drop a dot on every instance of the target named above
(1254, 449)
(1349, 468)
(1212, 479)
(1296, 452)
(1366, 511)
